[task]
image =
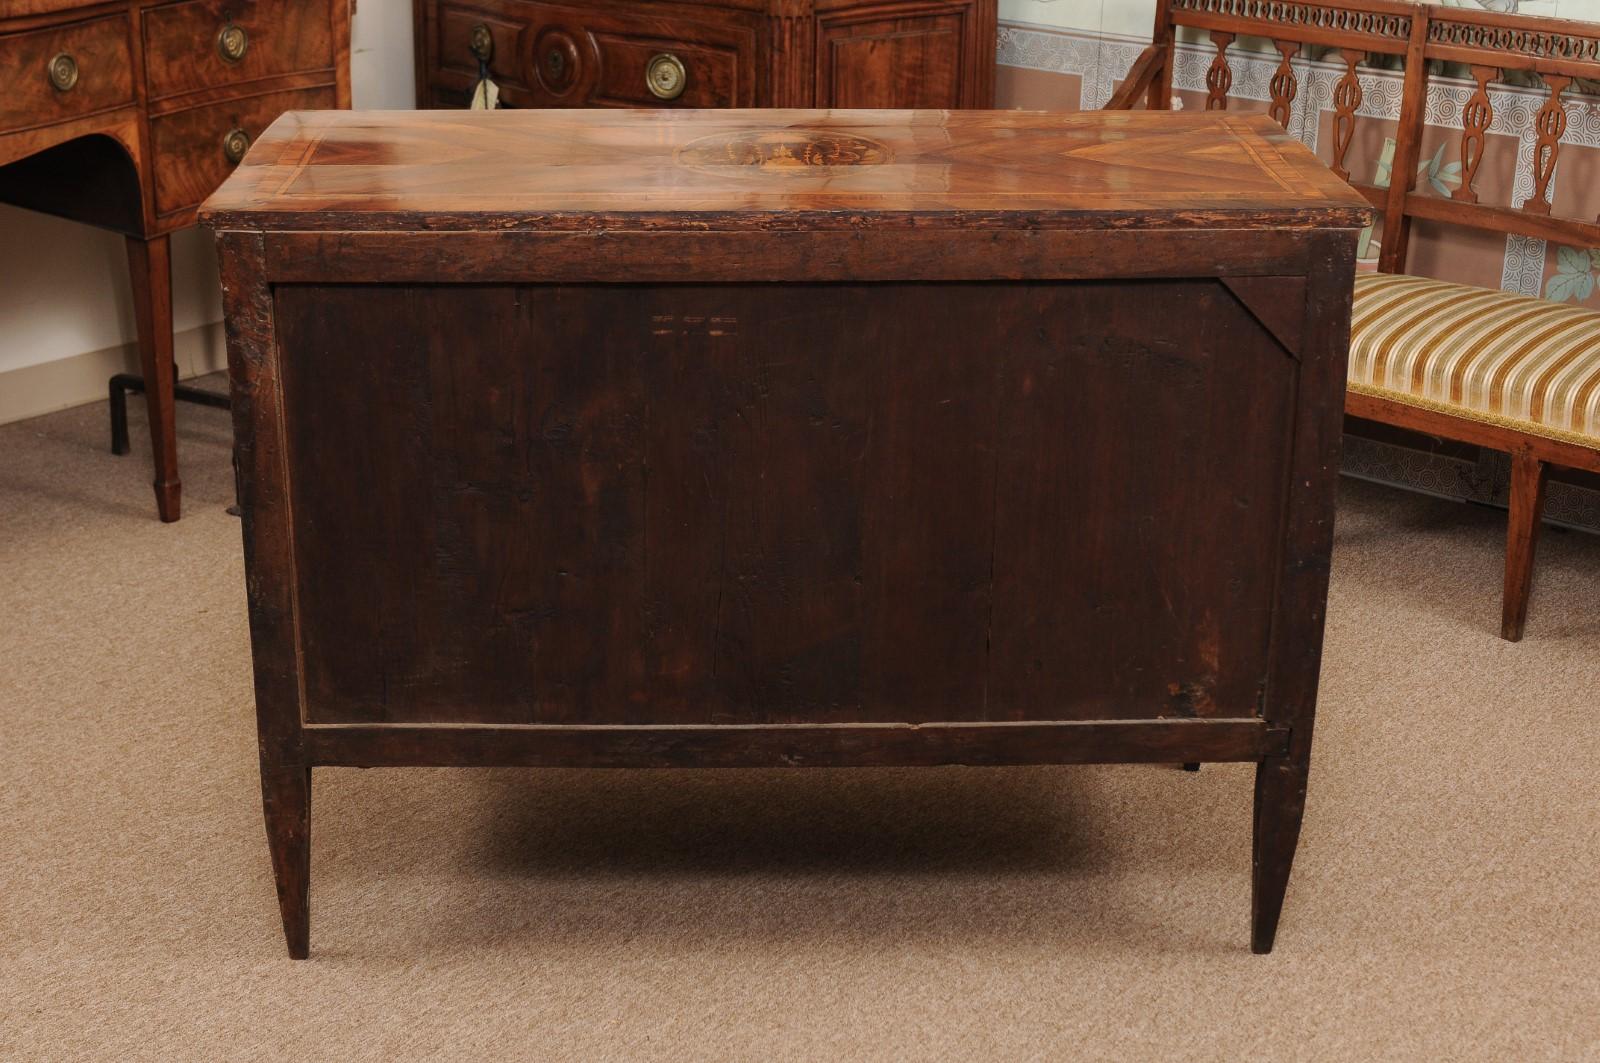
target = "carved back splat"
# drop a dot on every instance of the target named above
(1550, 122)
(1475, 119)
(1283, 84)
(1346, 98)
(1219, 76)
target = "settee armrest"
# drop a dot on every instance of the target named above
(1141, 76)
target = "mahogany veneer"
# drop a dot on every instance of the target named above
(714, 53)
(649, 438)
(125, 114)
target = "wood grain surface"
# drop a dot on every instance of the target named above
(766, 168)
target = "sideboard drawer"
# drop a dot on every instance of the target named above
(643, 70)
(195, 149)
(63, 72)
(548, 55)
(204, 43)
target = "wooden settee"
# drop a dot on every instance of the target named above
(1494, 369)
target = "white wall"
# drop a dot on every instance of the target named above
(64, 287)
(381, 63)
(1132, 18)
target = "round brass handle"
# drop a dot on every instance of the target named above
(665, 76)
(481, 42)
(235, 144)
(63, 71)
(232, 42)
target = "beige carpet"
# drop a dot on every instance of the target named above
(1445, 902)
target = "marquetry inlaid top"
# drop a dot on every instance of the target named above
(732, 169)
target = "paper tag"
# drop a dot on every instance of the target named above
(486, 97)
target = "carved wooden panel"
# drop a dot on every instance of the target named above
(1475, 119)
(735, 53)
(1548, 124)
(1523, 40)
(1283, 85)
(1219, 75)
(1346, 99)
(1381, 25)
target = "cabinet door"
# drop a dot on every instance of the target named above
(902, 55)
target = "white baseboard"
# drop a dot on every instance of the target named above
(50, 386)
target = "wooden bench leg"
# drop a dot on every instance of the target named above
(1522, 536)
(286, 800)
(1280, 806)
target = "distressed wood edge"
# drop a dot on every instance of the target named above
(261, 480)
(671, 257)
(949, 220)
(1295, 646)
(794, 745)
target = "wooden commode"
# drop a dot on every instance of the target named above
(785, 438)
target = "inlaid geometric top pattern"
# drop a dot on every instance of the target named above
(757, 168)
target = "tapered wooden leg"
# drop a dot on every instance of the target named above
(286, 799)
(1522, 537)
(1280, 806)
(150, 267)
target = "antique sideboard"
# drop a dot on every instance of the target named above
(711, 53)
(126, 114)
(725, 438)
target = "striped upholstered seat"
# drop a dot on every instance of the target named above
(1491, 356)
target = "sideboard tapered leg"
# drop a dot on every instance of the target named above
(286, 800)
(1280, 806)
(150, 268)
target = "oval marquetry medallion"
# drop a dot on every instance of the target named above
(781, 151)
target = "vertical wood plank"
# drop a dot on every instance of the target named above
(1300, 612)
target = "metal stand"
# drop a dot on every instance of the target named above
(122, 383)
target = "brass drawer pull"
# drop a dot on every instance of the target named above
(63, 71)
(232, 42)
(235, 144)
(481, 42)
(665, 76)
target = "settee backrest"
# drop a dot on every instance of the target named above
(1559, 56)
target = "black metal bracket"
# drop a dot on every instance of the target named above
(122, 383)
